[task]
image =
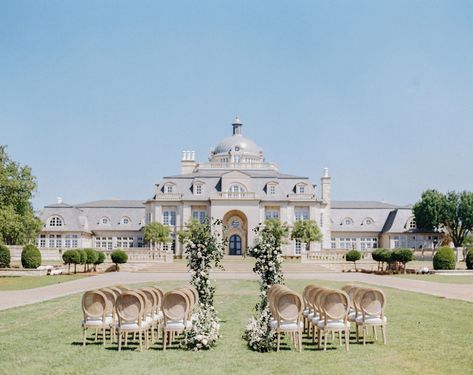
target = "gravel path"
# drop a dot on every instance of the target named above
(10, 299)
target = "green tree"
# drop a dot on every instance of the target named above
(353, 256)
(4, 256)
(92, 256)
(452, 212)
(157, 234)
(119, 257)
(18, 223)
(30, 257)
(306, 231)
(69, 257)
(100, 259)
(403, 256)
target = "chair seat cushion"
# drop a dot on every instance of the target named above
(158, 317)
(315, 319)
(174, 325)
(306, 312)
(374, 320)
(97, 322)
(286, 325)
(333, 324)
(133, 326)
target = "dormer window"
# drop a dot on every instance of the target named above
(236, 188)
(300, 188)
(272, 189)
(368, 221)
(125, 221)
(169, 189)
(412, 223)
(104, 221)
(347, 221)
(198, 189)
(55, 221)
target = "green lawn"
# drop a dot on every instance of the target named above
(28, 282)
(450, 279)
(425, 335)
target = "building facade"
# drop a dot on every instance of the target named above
(238, 186)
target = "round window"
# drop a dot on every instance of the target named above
(235, 223)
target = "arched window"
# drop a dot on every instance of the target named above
(236, 188)
(55, 221)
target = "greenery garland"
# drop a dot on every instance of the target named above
(267, 252)
(204, 246)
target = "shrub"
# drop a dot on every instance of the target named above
(469, 259)
(444, 259)
(99, 260)
(119, 257)
(381, 256)
(402, 256)
(353, 256)
(91, 257)
(30, 257)
(4, 256)
(82, 257)
(71, 257)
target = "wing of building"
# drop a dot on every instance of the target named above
(238, 186)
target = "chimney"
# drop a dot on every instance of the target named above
(188, 162)
(325, 182)
(59, 200)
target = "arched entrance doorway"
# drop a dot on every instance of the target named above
(236, 224)
(234, 245)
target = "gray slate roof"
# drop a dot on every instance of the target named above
(86, 217)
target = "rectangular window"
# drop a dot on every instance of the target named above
(169, 189)
(297, 247)
(198, 189)
(333, 243)
(199, 215)
(321, 219)
(272, 189)
(42, 240)
(301, 213)
(169, 217)
(271, 213)
(75, 243)
(67, 243)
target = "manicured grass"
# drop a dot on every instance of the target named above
(28, 282)
(449, 279)
(425, 335)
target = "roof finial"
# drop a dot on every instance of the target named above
(237, 125)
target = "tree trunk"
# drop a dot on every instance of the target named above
(75, 268)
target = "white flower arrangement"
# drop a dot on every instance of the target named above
(204, 250)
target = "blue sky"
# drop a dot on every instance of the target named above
(100, 97)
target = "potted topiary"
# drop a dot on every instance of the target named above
(30, 257)
(119, 257)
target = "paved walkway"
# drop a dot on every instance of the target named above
(10, 299)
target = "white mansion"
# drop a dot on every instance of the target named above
(239, 187)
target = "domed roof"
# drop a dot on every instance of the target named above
(237, 143)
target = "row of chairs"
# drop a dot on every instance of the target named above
(286, 307)
(330, 310)
(142, 312)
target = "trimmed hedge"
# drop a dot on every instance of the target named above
(4, 256)
(119, 257)
(30, 257)
(469, 259)
(444, 259)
